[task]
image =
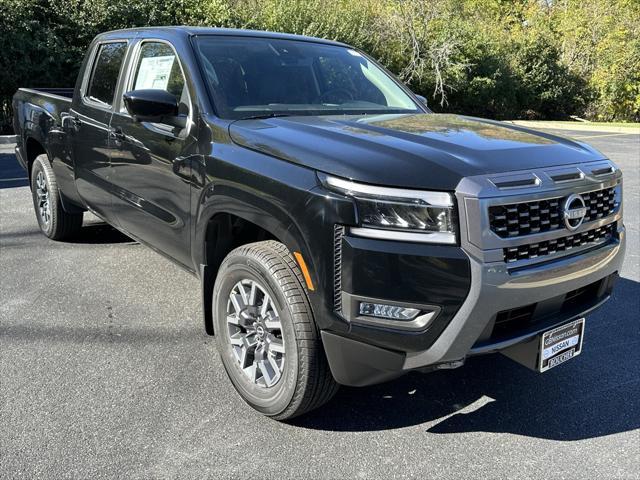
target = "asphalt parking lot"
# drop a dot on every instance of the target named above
(105, 372)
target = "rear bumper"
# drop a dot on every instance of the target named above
(555, 292)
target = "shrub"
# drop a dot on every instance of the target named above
(525, 59)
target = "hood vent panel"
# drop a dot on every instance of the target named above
(566, 175)
(600, 171)
(515, 181)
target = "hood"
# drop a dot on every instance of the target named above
(432, 151)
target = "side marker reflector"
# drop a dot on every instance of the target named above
(305, 270)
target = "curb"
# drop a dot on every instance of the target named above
(587, 127)
(7, 139)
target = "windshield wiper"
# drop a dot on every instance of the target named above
(266, 115)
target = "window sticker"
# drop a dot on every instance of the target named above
(154, 72)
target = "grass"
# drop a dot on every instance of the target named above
(597, 124)
(617, 127)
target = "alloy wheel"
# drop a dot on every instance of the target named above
(42, 192)
(255, 333)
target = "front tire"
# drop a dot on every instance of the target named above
(54, 222)
(266, 333)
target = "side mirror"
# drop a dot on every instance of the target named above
(152, 105)
(422, 99)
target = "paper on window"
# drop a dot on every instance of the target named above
(154, 72)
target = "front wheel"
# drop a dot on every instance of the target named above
(266, 334)
(54, 222)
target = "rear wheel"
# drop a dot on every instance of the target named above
(54, 222)
(266, 334)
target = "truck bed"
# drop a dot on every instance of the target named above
(36, 112)
(36, 108)
(58, 92)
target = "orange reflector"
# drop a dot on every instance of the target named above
(305, 270)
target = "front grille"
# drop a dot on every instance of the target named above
(580, 296)
(599, 204)
(521, 315)
(517, 219)
(512, 321)
(547, 247)
(338, 233)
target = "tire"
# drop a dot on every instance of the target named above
(305, 381)
(54, 222)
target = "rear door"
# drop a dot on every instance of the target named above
(89, 125)
(149, 161)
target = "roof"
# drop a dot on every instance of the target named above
(194, 31)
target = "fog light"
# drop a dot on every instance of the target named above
(392, 312)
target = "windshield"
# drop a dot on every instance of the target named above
(250, 76)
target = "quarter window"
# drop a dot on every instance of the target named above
(106, 69)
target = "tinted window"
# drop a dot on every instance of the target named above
(104, 78)
(252, 76)
(158, 68)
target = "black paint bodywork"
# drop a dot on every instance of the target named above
(164, 189)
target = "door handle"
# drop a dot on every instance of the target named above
(182, 167)
(76, 123)
(179, 163)
(117, 135)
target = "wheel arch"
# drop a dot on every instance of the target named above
(226, 222)
(34, 147)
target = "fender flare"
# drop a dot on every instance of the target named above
(252, 208)
(36, 135)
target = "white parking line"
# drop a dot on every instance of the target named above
(606, 135)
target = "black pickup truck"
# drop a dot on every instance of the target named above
(342, 233)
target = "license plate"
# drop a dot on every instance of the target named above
(560, 344)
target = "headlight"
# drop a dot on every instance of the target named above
(394, 213)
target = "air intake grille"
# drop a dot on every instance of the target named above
(338, 233)
(599, 204)
(534, 250)
(517, 219)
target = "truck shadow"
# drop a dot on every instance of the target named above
(594, 395)
(100, 233)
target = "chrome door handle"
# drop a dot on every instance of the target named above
(75, 122)
(117, 135)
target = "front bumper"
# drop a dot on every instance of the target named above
(494, 289)
(518, 271)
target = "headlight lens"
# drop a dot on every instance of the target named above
(411, 215)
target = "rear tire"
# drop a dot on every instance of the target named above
(266, 334)
(54, 222)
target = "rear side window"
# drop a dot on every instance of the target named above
(106, 68)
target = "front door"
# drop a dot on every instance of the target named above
(150, 169)
(89, 127)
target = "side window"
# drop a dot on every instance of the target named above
(158, 68)
(106, 68)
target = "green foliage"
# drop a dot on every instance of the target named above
(495, 58)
